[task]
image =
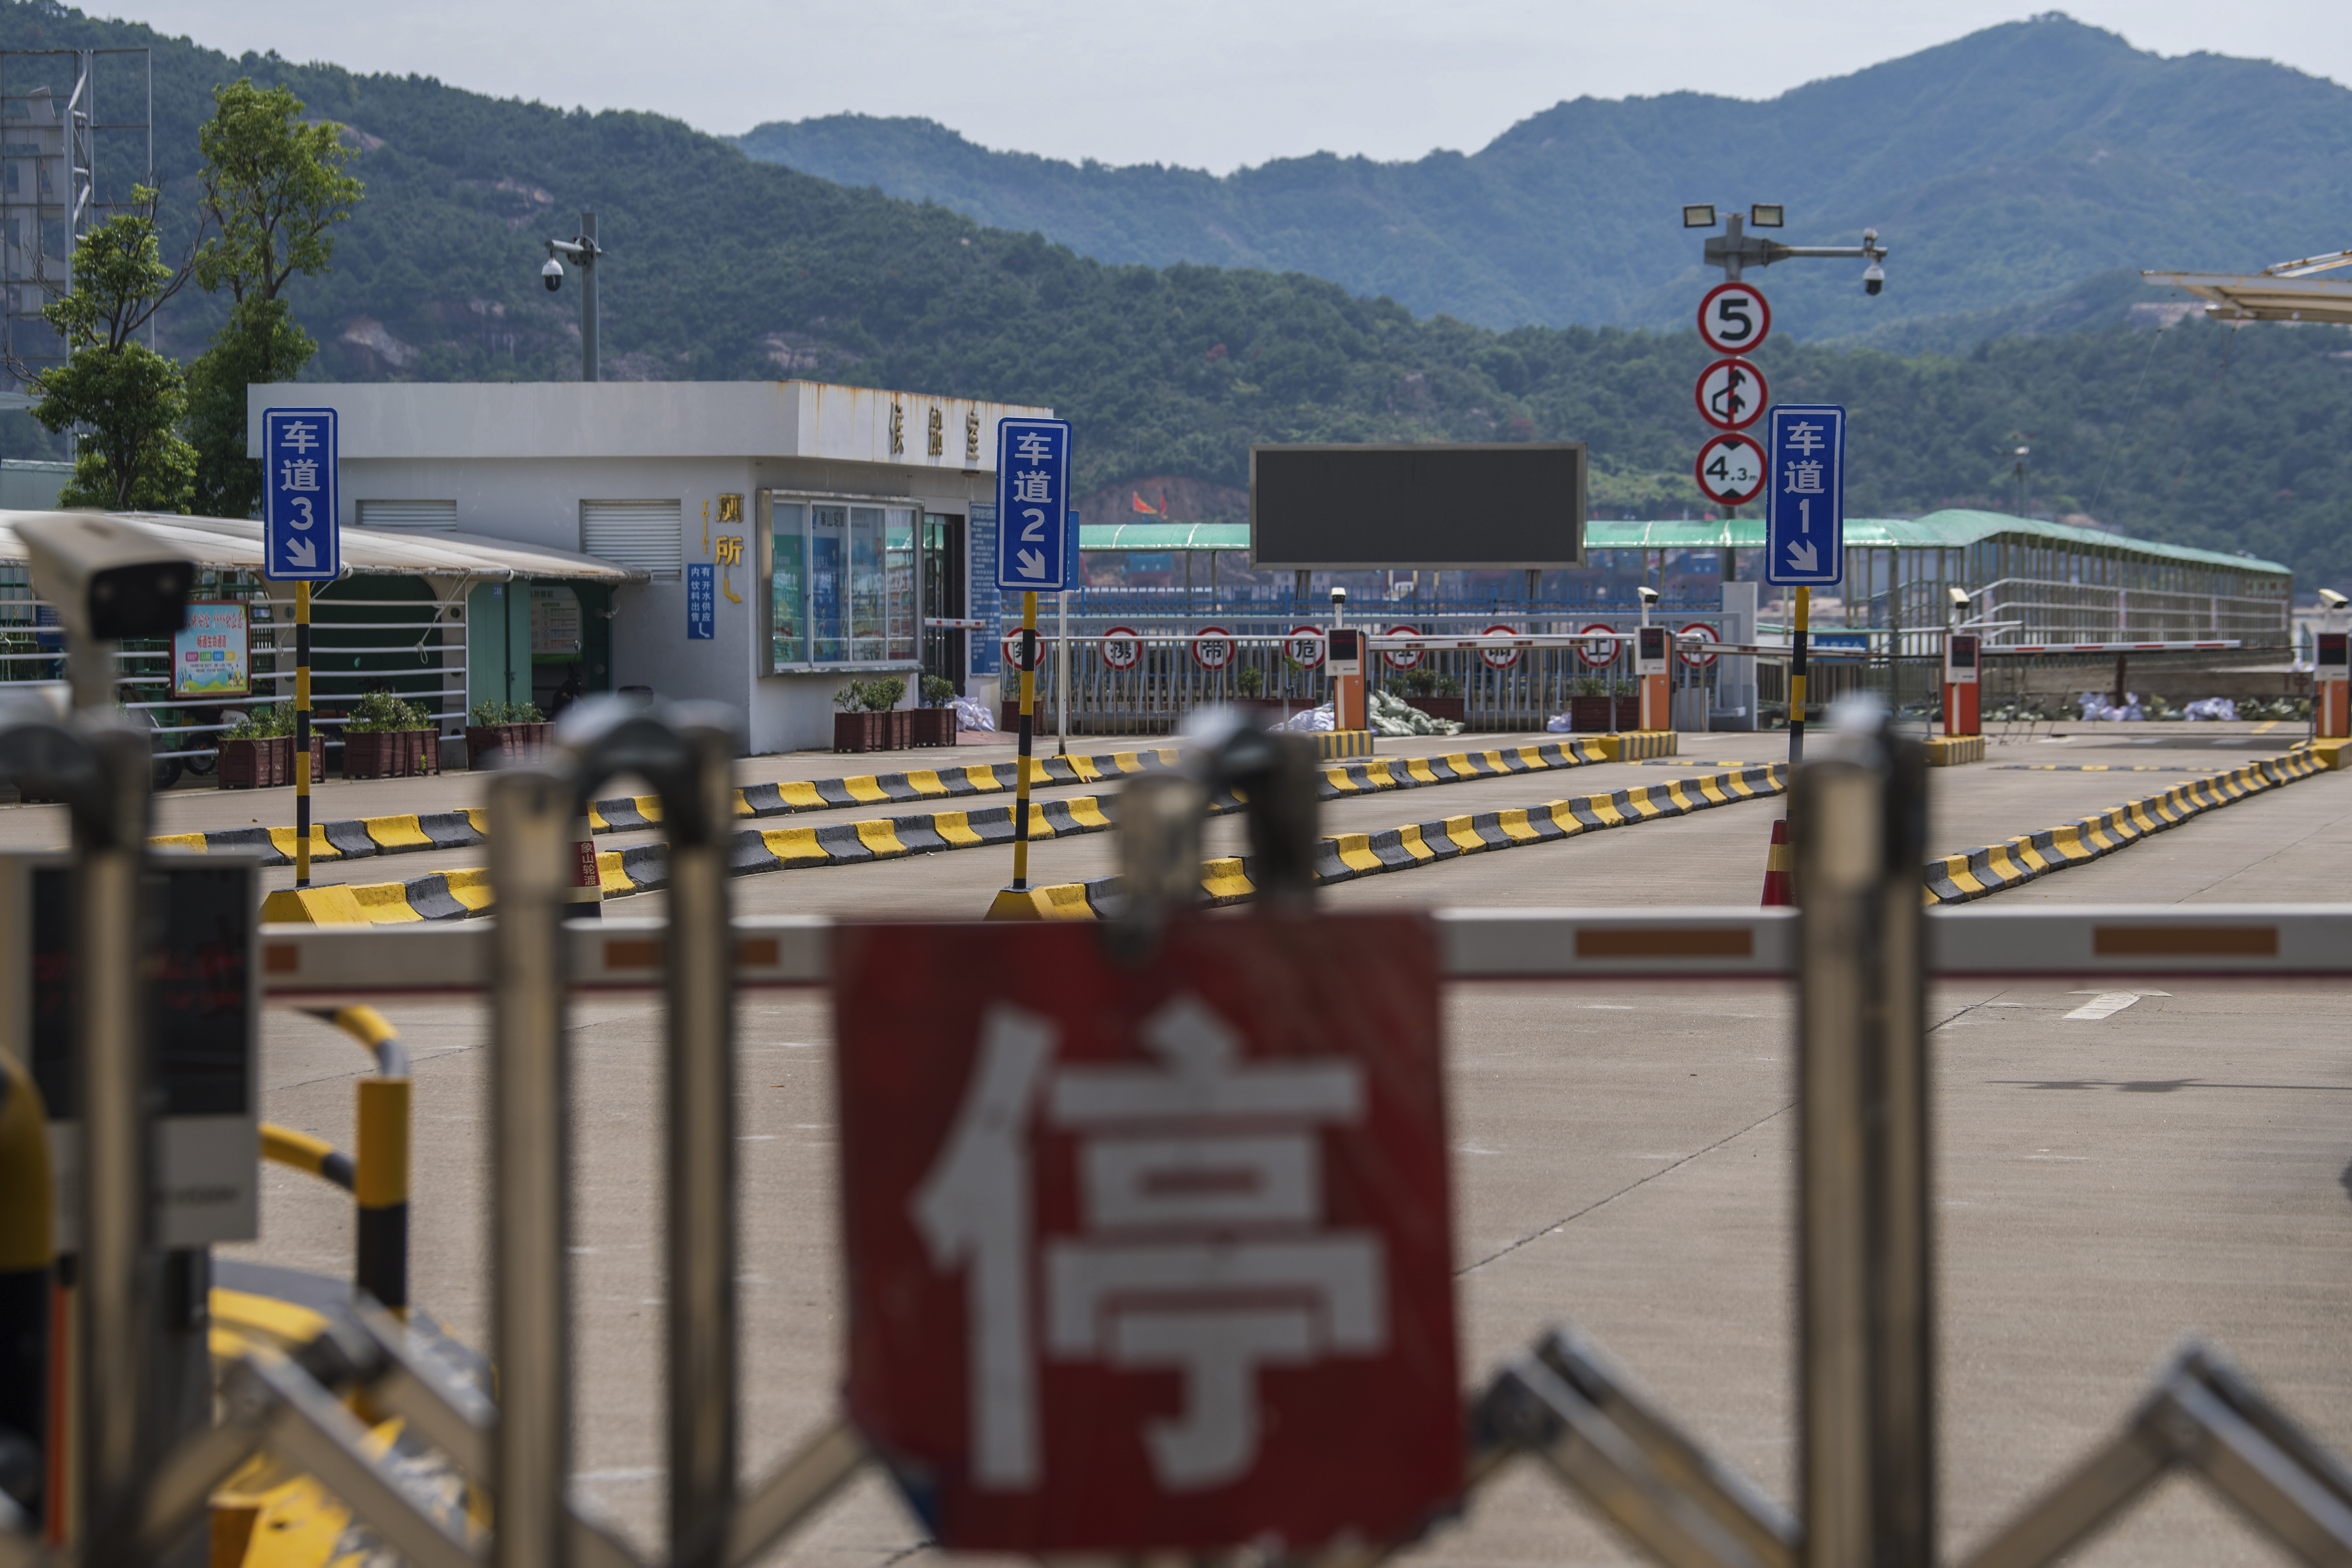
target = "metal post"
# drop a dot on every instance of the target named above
(1865, 1337)
(588, 318)
(302, 735)
(701, 1230)
(531, 830)
(120, 1268)
(1028, 728)
(1797, 639)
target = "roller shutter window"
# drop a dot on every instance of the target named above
(436, 516)
(641, 533)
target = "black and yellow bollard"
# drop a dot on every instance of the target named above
(376, 1173)
(25, 1256)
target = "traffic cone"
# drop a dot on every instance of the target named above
(1779, 884)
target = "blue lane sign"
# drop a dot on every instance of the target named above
(1032, 504)
(1805, 532)
(701, 601)
(299, 536)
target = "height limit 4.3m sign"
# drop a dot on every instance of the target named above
(1805, 514)
(1151, 1256)
(1032, 504)
(302, 540)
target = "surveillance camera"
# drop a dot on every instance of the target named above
(552, 275)
(1649, 596)
(1960, 597)
(1339, 596)
(1874, 278)
(2332, 599)
(108, 579)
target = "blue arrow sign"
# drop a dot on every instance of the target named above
(1032, 504)
(1804, 529)
(301, 539)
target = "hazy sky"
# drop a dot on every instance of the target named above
(1206, 83)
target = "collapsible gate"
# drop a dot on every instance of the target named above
(1861, 952)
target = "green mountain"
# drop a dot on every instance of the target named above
(720, 268)
(2004, 166)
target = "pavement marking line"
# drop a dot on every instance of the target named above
(2103, 1004)
(365, 837)
(1977, 873)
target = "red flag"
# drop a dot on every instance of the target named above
(1141, 505)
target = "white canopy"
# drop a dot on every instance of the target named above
(234, 544)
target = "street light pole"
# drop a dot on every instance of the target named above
(582, 251)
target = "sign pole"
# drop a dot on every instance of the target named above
(1028, 728)
(1062, 673)
(302, 734)
(1797, 677)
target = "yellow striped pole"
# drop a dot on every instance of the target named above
(302, 734)
(377, 1176)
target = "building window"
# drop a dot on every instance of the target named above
(842, 585)
(646, 534)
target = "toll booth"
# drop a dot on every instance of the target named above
(1960, 650)
(1347, 709)
(2331, 693)
(1652, 650)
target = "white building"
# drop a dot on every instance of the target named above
(794, 535)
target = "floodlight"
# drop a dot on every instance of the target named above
(1766, 215)
(1701, 215)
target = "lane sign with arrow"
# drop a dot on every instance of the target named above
(1731, 395)
(301, 541)
(1032, 504)
(1730, 469)
(1804, 539)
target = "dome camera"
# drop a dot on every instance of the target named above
(1874, 278)
(553, 276)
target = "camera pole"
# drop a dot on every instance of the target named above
(588, 319)
(1798, 637)
(302, 734)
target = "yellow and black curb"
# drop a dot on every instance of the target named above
(1954, 751)
(1349, 857)
(1957, 879)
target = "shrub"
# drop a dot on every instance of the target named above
(882, 693)
(486, 713)
(937, 690)
(381, 709)
(851, 698)
(1250, 682)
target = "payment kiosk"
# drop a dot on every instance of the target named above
(1961, 684)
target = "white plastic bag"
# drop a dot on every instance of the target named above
(2220, 710)
(971, 715)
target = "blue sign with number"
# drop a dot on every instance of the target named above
(1804, 528)
(1032, 504)
(299, 536)
(702, 601)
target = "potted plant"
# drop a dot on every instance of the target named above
(257, 753)
(1434, 693)
(500, 734)
(856, 726)
(1588, 707)
(934, 723)
(1629, 710)
(386, 738)
(882, 696)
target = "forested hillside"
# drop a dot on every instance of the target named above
(2001, 168)
(724, 268)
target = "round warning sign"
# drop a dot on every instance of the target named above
(1404, 657)
(1122, 647)
(1013, 650)
(1731, 395)
(1212, 647)
(1305, 646)
(1730, 469)
(1697, 657)
(1596, 655)
(1499, 658)
(1734, 318)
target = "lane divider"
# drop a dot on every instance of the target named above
(1979, 873)
(1349, 857)
(360, 837)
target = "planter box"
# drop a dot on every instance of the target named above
(268, 763)
(391, 754)
(1442, 707)
(931, 727)
(898, 724)
(1588, 715)
(861, 732)
(1629, 713)
(505, 745)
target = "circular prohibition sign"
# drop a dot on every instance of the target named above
(1404, 658)
(1499, 658)
(1731, 395)
(1598, 655)
(1705, 632)
(1013, 650)
(1733, 319)
(1213, 648)
(1305, 647)
(1122, 647)
(1731, 469)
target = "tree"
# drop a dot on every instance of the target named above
(273, 190)
(122, 399)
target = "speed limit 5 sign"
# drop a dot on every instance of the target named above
(1734, 318)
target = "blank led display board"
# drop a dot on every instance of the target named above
(1421, 506)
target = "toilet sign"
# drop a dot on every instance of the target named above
(1151, 1256)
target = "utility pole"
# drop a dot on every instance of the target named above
(583, 250)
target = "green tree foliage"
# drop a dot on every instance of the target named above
(274, 189)
(123, 399)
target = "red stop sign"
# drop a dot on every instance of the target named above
(1155, 1256)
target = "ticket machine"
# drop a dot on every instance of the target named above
(2331, 689)
(1652, 647)
(1961, 684)
(1347, 666)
